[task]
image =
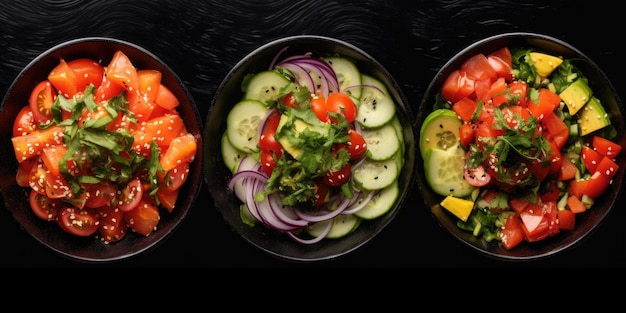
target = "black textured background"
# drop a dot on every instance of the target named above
(202, 40)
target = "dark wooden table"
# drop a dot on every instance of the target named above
(202, 40)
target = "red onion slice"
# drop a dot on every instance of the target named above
(315, 239)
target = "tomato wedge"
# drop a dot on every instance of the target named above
(122, 72)
(182, 149)
(87, 71)
(145, 217)
(63, 78)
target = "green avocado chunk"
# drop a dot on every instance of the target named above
(593, 117)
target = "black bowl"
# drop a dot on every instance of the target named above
(586, 222)
(90, 249)
(217, 174)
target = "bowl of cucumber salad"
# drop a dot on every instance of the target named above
(309, 148)
(520, 139)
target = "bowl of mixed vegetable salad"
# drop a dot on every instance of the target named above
(101, 150)
(309, 148)
(520, 139)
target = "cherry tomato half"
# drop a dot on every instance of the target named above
(78, 222)
(41, 100)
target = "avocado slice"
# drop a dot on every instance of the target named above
(439, 130)
(576, 95)
(298, 126)
(545, 63)
(593, 117)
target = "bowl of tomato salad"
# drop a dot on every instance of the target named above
(100, 157)
(309, 148)
(520, 146)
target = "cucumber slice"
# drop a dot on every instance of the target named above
(373, 175)
(382, 142)
(376, 107)
(243, 124)
(343, 224)
(395, 122)
(444, 172)
(230, 154)
(380, 203)
(348, 75)
(265, 86)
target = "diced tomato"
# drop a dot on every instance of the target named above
(478, 68)
(166, 99)
(148, 84)
(514, 115)
(601, 178)
(504, 54)
(576, 187)
(497, 87)
(168, 198)
(518, 204)
(566, 219)
(107, 90)
(56, 186)
(182, 149)
(145, 217)
(87, 71)
(63, 78)
(568, 169)
(518, 93)
(551, 215)
(532, 216)
(122, 72)
(27, 146)
(488, 89)
(467, 133)
(535, 224)
(501, 61)
(164, 129)
(52, 156)
(484, 128)
(457, 86)
(24, 169)
(606, 147)
(465, 108)
(140, 105)
(481, 89)
(575, 205)
(512, 233)
(590, 158)
(547, 102)
(175, 178)
(556, 128)
(596, 185)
